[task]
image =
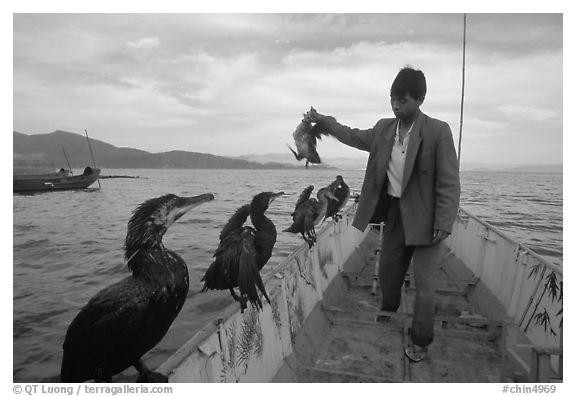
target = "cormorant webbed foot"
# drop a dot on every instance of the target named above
(99, 376)
(243, 300)
(148, 376)
(311, 241)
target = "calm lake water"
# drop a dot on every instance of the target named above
(68, 245)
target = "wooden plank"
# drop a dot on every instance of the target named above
(540, 367)
(340, 374)
(464, 282)
(402, 315)
(518, 362)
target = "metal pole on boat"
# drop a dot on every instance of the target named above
(91, 154)
(462, 98)
(375, 278)
(68, 162)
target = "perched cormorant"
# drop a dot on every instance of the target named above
(342, 193)
(243, 251)
(125, 320)
(309, 212)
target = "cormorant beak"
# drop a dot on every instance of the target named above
(274, 196)
(184, 204)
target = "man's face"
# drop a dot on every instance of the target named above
(404, 107)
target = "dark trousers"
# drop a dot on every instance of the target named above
(395, 259)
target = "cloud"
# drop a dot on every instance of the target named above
(146, 43)
(213, 77)
(528, 113)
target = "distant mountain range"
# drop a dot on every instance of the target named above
(543, 168)
(46, 149)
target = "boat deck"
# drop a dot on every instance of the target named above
(361, 343)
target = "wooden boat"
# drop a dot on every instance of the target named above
(58, 181)
(499, 317)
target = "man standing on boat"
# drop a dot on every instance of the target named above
(411, 183)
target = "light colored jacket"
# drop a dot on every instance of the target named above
(431, 184)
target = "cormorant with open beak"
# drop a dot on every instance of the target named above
(125, 320)
(243, 251)
(309, 212)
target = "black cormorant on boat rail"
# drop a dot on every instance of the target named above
(342, 193)
(125, 320)
(309, 212)
(243, 251)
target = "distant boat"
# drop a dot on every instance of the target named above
(58, 181)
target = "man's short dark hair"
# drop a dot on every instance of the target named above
(409, 81)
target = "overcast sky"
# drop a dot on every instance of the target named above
(235, 84)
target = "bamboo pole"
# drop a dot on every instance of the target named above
(67, 161)
(462, 97)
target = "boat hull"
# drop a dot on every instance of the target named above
(54, 182)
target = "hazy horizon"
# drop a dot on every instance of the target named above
(354, 156)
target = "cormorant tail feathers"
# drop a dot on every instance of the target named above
(249, 280)
(296, 155)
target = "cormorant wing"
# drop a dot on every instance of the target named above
(223, 272)
(304, 196)
(110, 330)
(312, 213)
(343, 194)
(236, 221)
(249, 280)
(344, 187)
(331, 210)
(332, 206)
(344, 201)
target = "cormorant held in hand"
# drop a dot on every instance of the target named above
(342, 193)
(305, 137)
(309, 212)
(243, 251)
(125, 320)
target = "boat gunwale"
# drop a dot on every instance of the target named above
(553, 266)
